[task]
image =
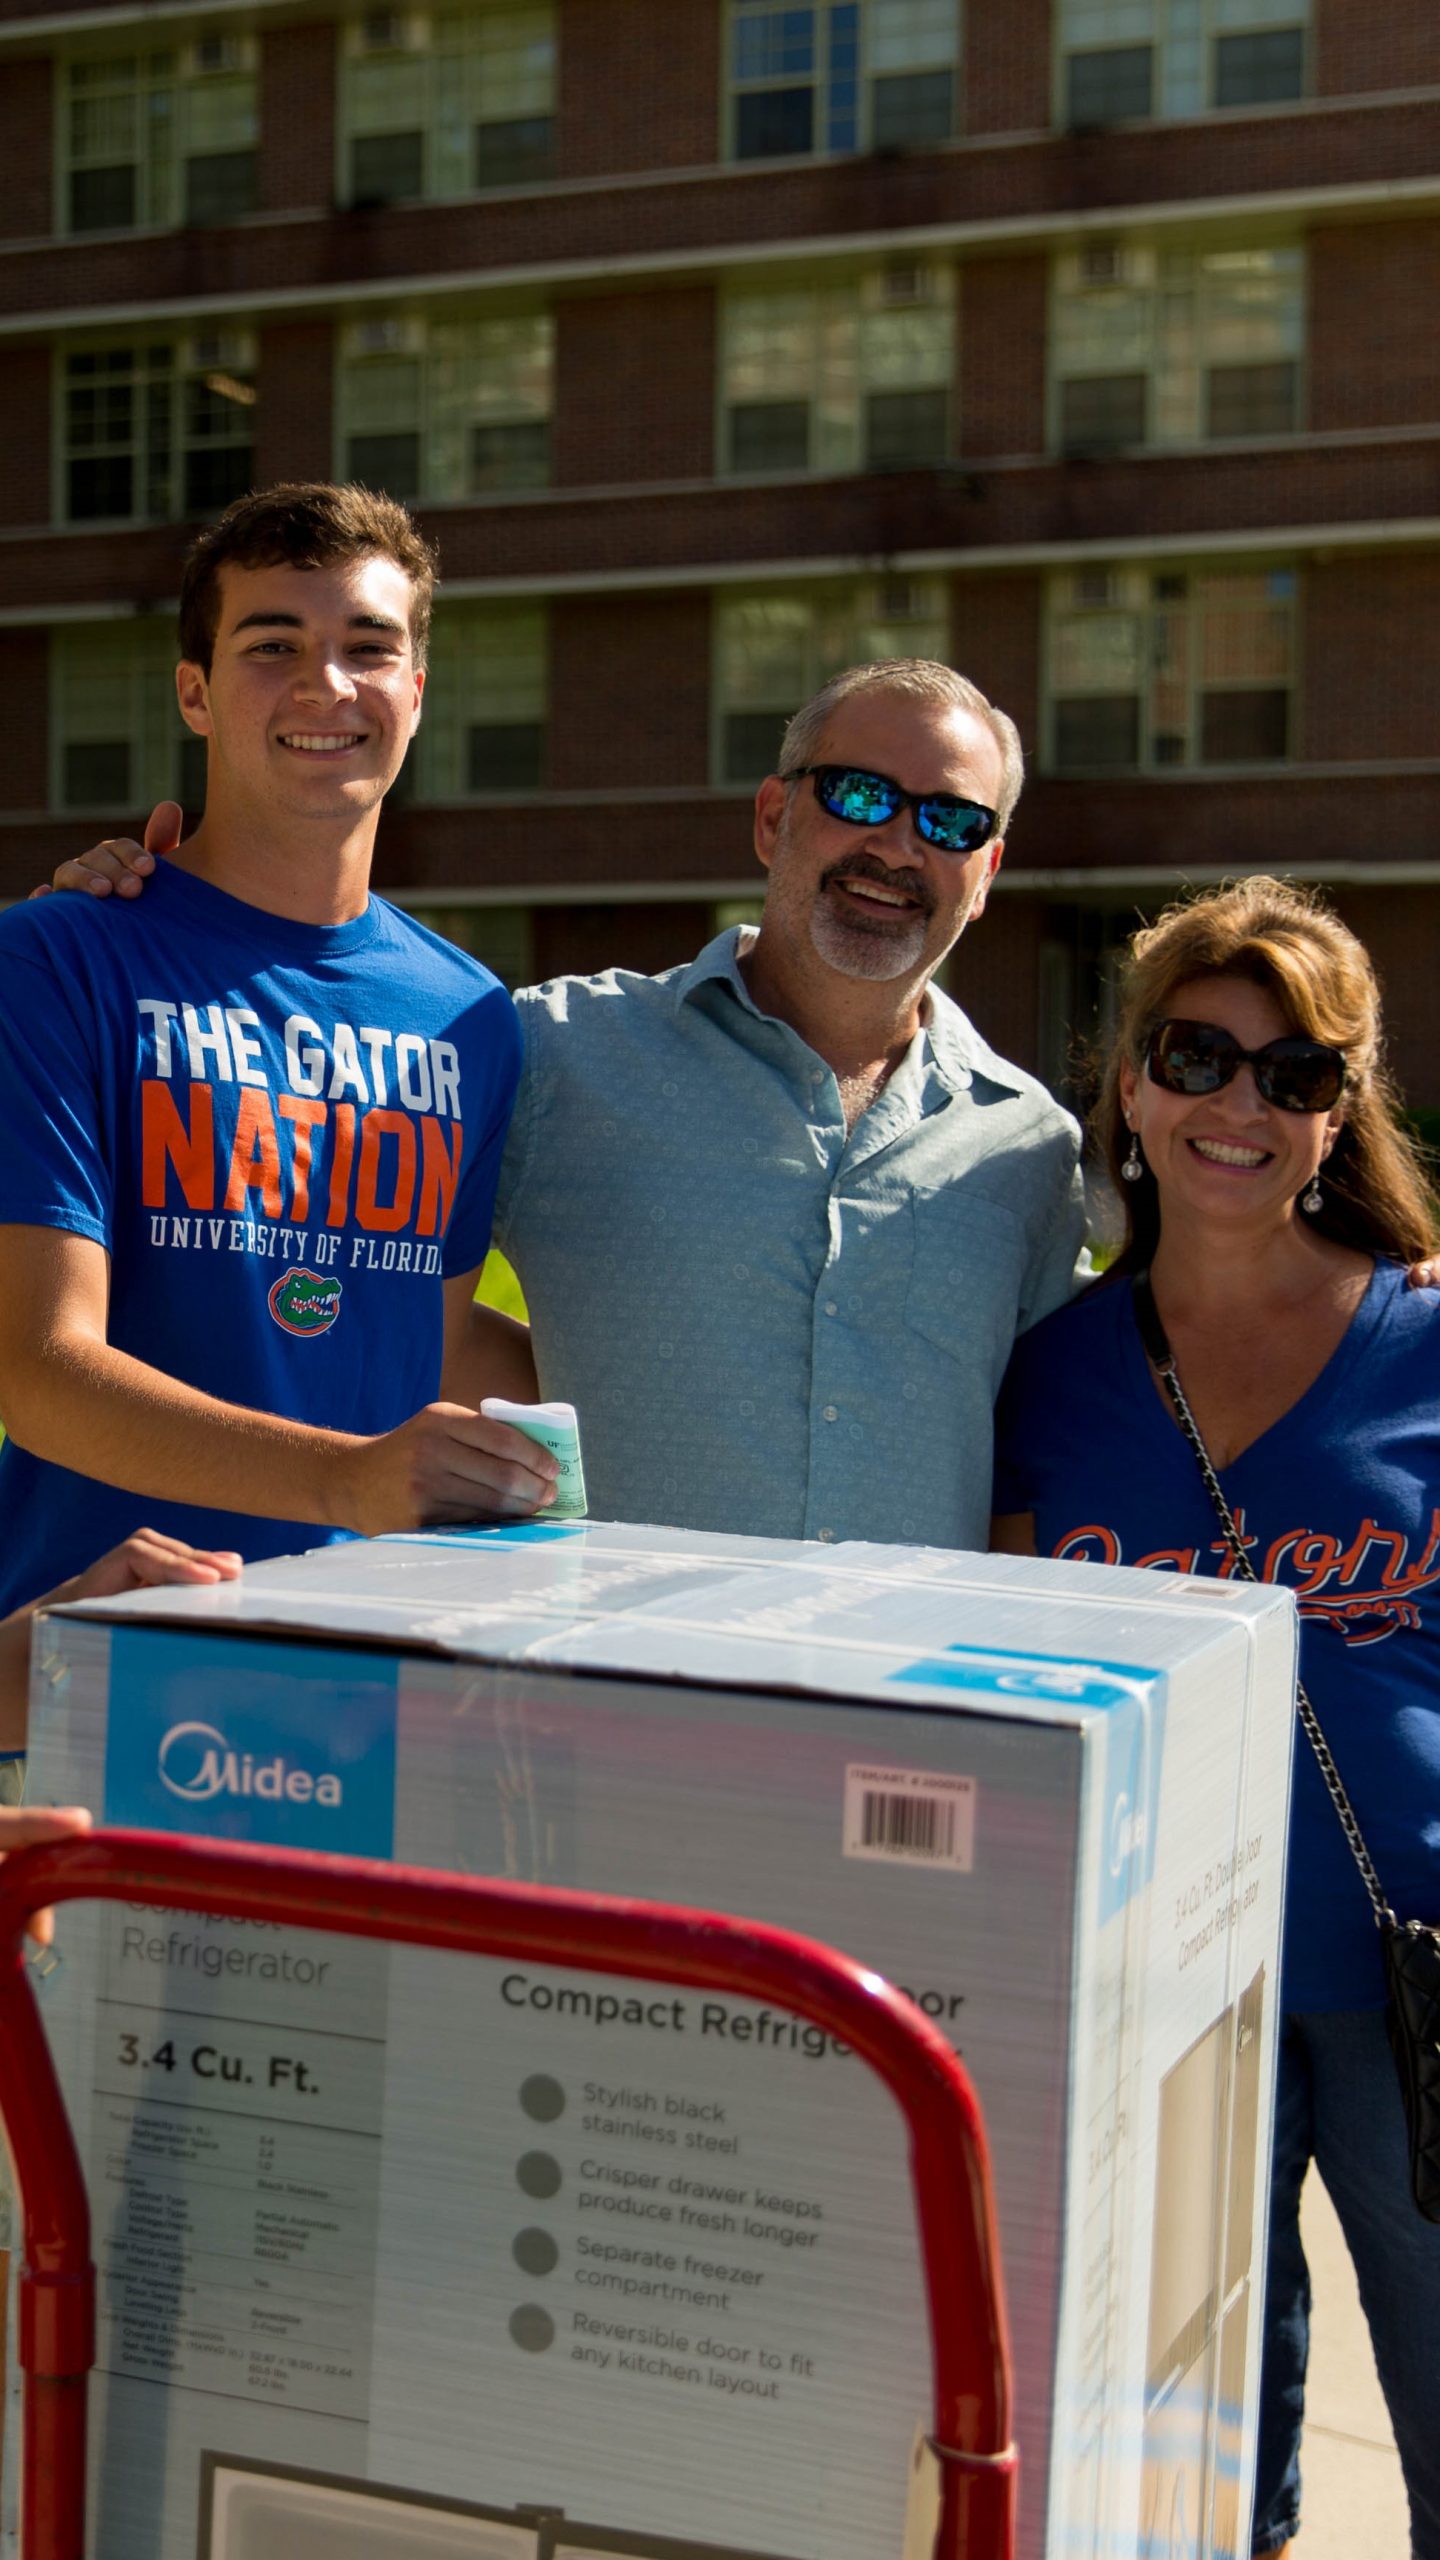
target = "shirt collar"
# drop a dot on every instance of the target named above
(953, 1045)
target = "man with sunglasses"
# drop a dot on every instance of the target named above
(779, 1214)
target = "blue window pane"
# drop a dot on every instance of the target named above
(797, 40)
(843, 131)
(754, 47)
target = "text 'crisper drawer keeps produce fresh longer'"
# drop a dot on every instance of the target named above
(406, 2254)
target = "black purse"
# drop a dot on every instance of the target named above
(1410, 1948)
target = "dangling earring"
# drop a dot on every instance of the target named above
(1132, 1168)
(1312, 1201)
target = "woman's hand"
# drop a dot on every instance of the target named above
(141, 1562)
(21, 1825)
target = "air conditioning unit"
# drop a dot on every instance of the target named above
(219, 351)
(1094, 589)
(392, 31)
(390, 337)
(1102, 263)
(904, 283)
(902, 600)
(209, 55)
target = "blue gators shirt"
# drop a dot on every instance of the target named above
(286, 1137)
(1340, 1500)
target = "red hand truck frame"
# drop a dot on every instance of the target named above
(362, 1897)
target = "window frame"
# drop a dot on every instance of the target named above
(1160, 40)
(435, 53)
(442, 742)
(925, 636)
(239, 359)
(145, 665)
(1197, 247)
(424, 323)
(820, 147)
(836, 293)
(1148, 768)
(183, 84)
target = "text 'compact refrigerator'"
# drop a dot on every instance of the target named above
(408, 2252)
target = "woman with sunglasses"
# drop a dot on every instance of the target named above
(1275, 1203)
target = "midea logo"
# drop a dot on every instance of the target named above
(197, 1764)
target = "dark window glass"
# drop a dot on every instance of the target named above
(214, 474)
(512, 455)
(102, 199)
(1104, 87)
(505, 755)
(102, 486)
(98, 777)
(1251, 399)
(904, 430)
(219, 186)
(770, 435)
(1103, 412)
(387, 462)
(772, 122)
(1098, 732)
(190, 779)
(1253, 71)
(404, 790)
(751, 744)
(1245, 728)
(911, 106)
(386, 166)
(1168, 747)
(509, 153)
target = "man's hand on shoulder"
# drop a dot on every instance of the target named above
(119, 865)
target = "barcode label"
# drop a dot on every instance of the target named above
(918, 1817)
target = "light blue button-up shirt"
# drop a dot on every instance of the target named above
(768, 1323)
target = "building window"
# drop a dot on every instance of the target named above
(446, 407)
(775, 647)
(159, 138)
(1127, 58)
(485, 703)
(502, 937)
(1168, 346)
(853, 75)
(117, 737)
(850, 375)
(157, 431)
(444, 105)
(1152, 669)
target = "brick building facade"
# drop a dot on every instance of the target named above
(1089, 343)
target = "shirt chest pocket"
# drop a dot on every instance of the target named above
(965, 1277)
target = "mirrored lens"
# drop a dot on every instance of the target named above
(1190, 1057)
(866, 799)
(957, 826)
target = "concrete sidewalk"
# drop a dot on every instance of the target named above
(1354, 2500)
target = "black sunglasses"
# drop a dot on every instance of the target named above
(1198, 1057)
(868, 799)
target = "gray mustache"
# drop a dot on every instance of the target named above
(862, 866)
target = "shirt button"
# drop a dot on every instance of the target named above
(827, 1537)
(831, 1414)
(830, 1307)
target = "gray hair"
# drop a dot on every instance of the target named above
(919, 680)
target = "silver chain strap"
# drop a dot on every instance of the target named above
(1163, 1359)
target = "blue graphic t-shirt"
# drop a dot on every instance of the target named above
(286, 1136)
(1340, 1500)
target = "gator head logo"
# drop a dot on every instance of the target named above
(304, 1302)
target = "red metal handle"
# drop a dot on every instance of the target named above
(596, 1933)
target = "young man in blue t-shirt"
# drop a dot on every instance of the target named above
(253, 1127)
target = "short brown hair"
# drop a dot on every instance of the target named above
(302, 525)
(1374, 1189)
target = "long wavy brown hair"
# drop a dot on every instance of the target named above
(1374, 1187)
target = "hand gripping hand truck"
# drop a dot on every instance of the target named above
(971, 2458)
